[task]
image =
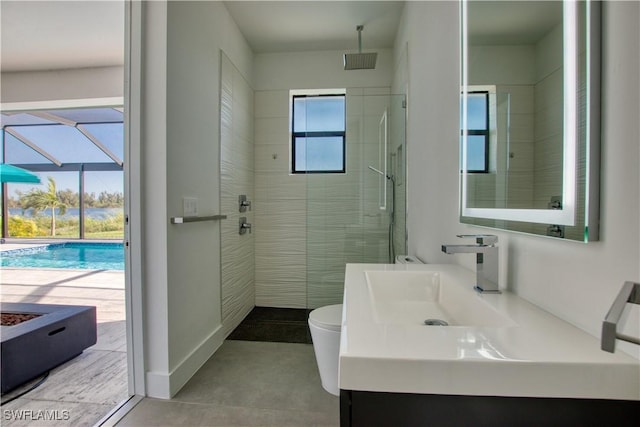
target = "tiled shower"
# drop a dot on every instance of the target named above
(305, 227)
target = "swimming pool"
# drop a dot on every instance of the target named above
(69, 255)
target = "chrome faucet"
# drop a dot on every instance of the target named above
(486, 251)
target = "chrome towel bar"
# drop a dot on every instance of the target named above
(183, 220)
(630, 292)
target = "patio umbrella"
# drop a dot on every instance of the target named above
(10, 173)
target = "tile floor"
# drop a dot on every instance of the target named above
(247, 383)
(274, 325)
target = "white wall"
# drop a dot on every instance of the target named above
(574, 281)
(153, 170)
(180, 145)
(430, 31)
(56, 85)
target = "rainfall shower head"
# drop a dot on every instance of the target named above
(360, 61)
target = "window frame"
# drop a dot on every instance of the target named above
(317, 134)
(480, 132)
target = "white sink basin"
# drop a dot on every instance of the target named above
(413, 297)
(497, 344)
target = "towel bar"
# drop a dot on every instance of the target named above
(182, 220)
(630, 292)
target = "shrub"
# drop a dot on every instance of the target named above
(112, 223)
(40, 226)
(22, 227)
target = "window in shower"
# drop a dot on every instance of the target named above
(318, 133)
(477, 132)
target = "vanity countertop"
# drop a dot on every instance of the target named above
(533, 354)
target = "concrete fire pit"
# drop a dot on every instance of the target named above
(58, 333)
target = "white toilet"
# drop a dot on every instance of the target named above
(325, 323)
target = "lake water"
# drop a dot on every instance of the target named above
(94, 213)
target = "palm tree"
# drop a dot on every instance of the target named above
(39, 200)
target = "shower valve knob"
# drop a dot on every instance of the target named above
(244, 203)
(244, 225)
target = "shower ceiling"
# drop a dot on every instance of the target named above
(288, 26)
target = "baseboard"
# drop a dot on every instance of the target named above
(164, 386)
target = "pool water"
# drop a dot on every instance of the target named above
(69, 255)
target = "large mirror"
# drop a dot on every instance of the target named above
(530, 117)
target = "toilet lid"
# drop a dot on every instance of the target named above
(328, 317)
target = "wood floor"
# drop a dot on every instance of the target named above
(83, 390)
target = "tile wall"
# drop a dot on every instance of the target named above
(237, 177)
(309, 226)
(281, 208)
(548, 125)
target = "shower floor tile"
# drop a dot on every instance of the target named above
(274, 325)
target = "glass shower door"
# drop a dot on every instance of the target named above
(358, 216)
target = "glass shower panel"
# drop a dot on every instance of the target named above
(347, 222)
(397, 166)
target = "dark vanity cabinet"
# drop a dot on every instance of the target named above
(376, 409)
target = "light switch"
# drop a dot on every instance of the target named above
(189, 206)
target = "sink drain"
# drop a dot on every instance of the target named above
(435, 322)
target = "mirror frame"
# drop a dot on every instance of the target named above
(566, 215)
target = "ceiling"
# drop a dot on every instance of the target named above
(512, 22)
(289, 26)
(48, 35)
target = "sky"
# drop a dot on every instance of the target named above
(68, 145)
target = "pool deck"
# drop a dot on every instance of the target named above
(92, 384)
